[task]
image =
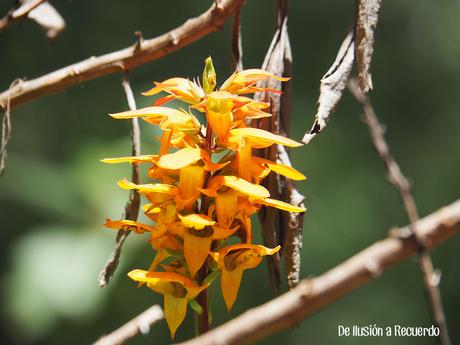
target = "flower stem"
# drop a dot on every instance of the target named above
(202, 299)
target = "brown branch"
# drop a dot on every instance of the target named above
(237, 43)
(313, 295)
(133, 203)
(19, 14)
(140, 324)
(402, 185)
(126, 59)
(6, 130)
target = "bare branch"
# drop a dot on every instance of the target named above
(313, 295)
(126, 59)
(140, 324)
(6, 131)
(133, 203)
(19, 14)
(237, 43)
(402, 185)
(366, 22)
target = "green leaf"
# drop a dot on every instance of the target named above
(211, 277)
(195, 306)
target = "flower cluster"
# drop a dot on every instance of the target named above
(206, 191)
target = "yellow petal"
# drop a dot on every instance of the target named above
(280, 205)
(151, 112)
(196, 221)
(180, 159)
(281, 169)
(230, 284)
(147, 188)
(131, 159)
(128, 225)
(245, 187)
(255, 248)
(240, 80)
(175, 310)
(191, 180)
(163, 116)
(226, 207)
(196, 251)
(181, 88)
(258, 138)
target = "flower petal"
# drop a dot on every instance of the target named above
(131, 159)
(196, 251)
(126, 224)
(230, 284)
(258, 138)
(175, 310)
(280, 205)
(180, 159)
(147, 188)
(280, 169)
(196, 221)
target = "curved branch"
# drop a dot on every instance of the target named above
(140, 324)
(312, 295)
(123, 60)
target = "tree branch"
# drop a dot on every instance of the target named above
(312, 295)
(401, 184)
(140, 324)
(19, 14)
(125, 59)
(133, 203)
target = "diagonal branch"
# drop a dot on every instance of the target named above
(123, 60)
(140, 324)
(133, 204)
(313, 295)
(19, 14)
(399, 181)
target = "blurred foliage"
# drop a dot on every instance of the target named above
(55, 194)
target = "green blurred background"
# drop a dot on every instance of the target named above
(55, 193)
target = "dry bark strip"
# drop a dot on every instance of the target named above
(48, 18)
(357, 47)
(431, 279)
(332, 85)
(126, 59)
(367, 18)
(313, 295)
(18, 14)
(133, 204)
(140, 324)
(278, 227)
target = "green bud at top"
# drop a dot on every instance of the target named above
(209, 76)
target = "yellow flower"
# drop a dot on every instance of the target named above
(179, 88)
(205, 186)
(198, 233)
(235, 259)
(176, 289)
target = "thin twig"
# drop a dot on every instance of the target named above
(399, 181)
(6, 130)
(313, 295)
(140, 324)
(126, 59)
(133, 204)
(19, 14)
(237, 43)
